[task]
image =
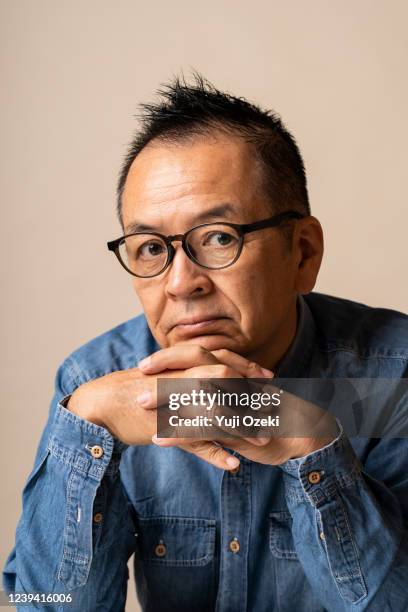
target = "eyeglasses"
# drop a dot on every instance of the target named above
(211, 245)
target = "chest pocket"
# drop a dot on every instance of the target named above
(176, 541)
(291, 585)
(280, 535)
(175, 564)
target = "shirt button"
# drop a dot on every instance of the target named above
(322, 535)
(314, 477)
(234, 545)
(96, 452)
(160, 550)
(98, 517)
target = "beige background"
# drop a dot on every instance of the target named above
(72, 75)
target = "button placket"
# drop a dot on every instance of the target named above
(234, 546)
(235, 529)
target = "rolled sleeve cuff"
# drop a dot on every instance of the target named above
(318, 475)
(90, 448)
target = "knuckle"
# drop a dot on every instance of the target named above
(221, 353)
(215, 453)
(252, 365)
(200, 352)
(197, 445)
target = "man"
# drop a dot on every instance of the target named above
(311, 523)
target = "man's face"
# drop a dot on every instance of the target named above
(250, 307)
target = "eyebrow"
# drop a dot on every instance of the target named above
(221, 210)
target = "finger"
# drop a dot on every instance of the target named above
(176, 358)
(208, 451)
(147, 387)
(246, 367)
(172, 441)
(147, 397)
(239, 443)
(258, 441)
(211, 370)
(235, 441)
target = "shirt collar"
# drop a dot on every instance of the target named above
(296, 361)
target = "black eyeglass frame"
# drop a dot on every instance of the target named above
(240, 228)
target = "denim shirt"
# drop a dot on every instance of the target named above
(262, 539)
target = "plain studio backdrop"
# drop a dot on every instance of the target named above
(72, 75)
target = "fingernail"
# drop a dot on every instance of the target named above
(267, 373)
(232, 462)
(144, 363)
(144, 398)
(156, 440)
(255, 370)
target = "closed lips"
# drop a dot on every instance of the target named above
(198, 321)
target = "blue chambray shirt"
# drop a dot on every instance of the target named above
(263, 539)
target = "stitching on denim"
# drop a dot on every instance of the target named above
(357, 560)
(74, 460)
(77, 558)
(208, 528)
(329, 488)
(353, 574)
(248, 489)
(75, 371)
(222, 543)
(178, 562)
(178, 520)
(274, 530)
(89, 427)
(65, 552)
(71, 539)
(398, 354)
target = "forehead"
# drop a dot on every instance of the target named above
(188, 176)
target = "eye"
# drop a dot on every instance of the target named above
(219, 239)
(150, 250)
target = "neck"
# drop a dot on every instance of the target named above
(274, 349)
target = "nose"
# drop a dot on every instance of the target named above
(185, 279)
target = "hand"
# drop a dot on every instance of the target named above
(115, 401)
(270, 451)
(303, 428)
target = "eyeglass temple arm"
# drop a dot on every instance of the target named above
(113, 244)
(251, 227)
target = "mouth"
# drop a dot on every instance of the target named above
(197, 325)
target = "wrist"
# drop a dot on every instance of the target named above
(84, 408)
(311, 445)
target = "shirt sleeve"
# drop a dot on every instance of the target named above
(76, 529)
(349, 526)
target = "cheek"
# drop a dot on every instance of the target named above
(266, 286)
(151, 298)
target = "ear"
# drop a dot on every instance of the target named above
(307, 249)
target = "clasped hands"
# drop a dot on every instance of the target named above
(125, 403)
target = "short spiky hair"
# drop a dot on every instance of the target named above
(185, 111)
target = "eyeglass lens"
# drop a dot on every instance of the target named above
(213, 246)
